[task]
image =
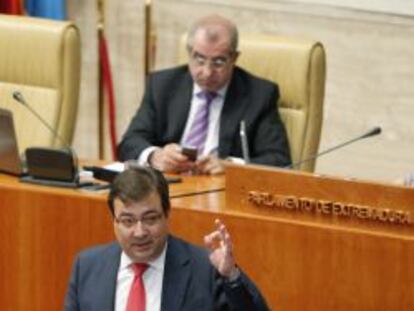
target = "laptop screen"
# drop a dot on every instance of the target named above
(9, 152)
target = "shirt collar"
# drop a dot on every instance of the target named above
(221, 92)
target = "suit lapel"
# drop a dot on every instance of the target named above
(176, 275)
(179, 107)
(234, 105)
(106, 286)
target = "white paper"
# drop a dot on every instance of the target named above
(115, 166)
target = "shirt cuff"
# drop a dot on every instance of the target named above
(236, 160)
(234, 278)
(144, 156)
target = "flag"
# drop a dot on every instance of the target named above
(108, 89)
(11, 7)
(53, 9)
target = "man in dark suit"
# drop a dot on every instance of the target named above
(173, 98)
(177, 276)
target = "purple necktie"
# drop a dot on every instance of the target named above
(198, 130)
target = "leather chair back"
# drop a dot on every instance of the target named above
(298, 67)
(41, 59)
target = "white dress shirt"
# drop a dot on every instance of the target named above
(152, 277)
(212, 141)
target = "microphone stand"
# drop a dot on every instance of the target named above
(244, 142)
(40, 156)
(373, 132)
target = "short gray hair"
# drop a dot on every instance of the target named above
(210, 24)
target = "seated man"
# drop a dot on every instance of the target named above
(149, 267)
(201, 105)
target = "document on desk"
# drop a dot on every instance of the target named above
(104, 173)
(120, 167)
(115, 166)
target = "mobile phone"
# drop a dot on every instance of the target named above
(191, 153)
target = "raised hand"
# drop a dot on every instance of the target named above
(221, 250)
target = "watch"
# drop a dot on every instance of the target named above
(234, 279)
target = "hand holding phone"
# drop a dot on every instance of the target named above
(190, 153)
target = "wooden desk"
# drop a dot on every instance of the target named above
(302, 266)
(304, 259)
(42, 228)
(190, 185)
(300, 262)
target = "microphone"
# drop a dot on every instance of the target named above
(373, 132)
(49, 166)
(244, 142)
(19, 98)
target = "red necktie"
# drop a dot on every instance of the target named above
(136, 297)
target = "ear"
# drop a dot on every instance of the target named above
(236, 56)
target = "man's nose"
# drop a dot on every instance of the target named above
(206, 70)
(139, 229)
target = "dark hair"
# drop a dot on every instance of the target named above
(135, 184)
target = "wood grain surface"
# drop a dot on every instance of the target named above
(298, 263)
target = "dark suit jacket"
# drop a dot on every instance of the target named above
(190, 282)
(163, 113)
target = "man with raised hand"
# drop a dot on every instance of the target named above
(148, 268)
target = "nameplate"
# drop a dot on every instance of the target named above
(329, 208)
(312, 199)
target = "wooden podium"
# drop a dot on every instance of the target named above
(327, 243)
(309, 242)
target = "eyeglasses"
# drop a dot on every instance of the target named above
(215, 63)
(147, 221)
